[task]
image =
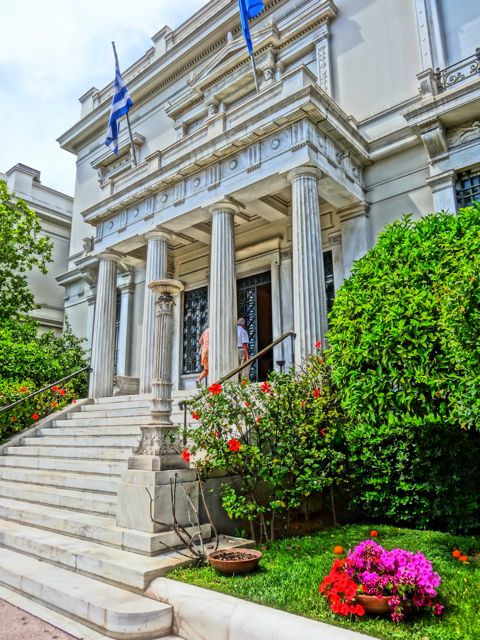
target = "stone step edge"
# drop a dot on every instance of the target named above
(140, 542)
(91, 558)
(63, 590)
(40, 469)
(56, 619)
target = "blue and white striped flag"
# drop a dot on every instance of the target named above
(121, 103)
(249, 9)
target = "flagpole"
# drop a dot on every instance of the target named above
(132, 146)
(254, 68)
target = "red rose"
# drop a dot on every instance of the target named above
(186, 455)
(35, 416)
(318, 344)
(54, 388)
(214, 389)
(233, 445)
(62, 392)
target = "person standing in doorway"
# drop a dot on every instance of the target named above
(203, 342)
(243, 344)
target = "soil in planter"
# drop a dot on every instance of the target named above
(234, 555)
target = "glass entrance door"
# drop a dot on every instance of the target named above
(254, 303)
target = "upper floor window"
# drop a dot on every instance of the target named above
(468, 187)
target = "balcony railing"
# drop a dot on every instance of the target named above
(458, 72)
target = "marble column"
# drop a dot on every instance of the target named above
(103, 340)
(91, 315)
(286, 297)
(355, 234)
(276, 311)
(309, 295)
(144, 496)
(156, 268)
(337, 258)
(127, 288)
(222, 305)
(443, 191)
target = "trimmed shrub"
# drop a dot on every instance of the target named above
(405, 353)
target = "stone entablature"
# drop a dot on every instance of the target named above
(170, 184)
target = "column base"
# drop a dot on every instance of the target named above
(137, 509)
(155, 463)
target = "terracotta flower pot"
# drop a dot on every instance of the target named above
(375, 605)
(235, 561)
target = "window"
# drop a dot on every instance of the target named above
(328, 273)
(118, 311)
(468, 187)
(195, 320)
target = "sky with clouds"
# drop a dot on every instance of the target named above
(51, 52)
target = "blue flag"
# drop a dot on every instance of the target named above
(121, 103)
(249, 9)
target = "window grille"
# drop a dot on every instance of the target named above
(329, 283)
(468, 187)
(195, 320)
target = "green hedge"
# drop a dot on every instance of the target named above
(405, 351)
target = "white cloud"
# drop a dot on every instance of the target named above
(51, 52)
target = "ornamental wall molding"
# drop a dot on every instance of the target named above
(465, 133)
(332, 137)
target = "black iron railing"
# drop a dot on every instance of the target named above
(458, 72)
(184, 404)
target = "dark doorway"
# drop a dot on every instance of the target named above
(254, 303)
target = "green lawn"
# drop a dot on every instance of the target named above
(292, 569)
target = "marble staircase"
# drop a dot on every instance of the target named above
(59, 542)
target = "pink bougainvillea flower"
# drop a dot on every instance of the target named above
(195, 415)
(215, 389)
(233, 445)
(35, 416)
(186, 455)
(438, 609)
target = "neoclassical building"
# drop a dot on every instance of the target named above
(259, 203)
(54, 210)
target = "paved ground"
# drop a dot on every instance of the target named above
(16, 624)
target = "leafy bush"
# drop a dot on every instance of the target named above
(29, 362)
(281, 438)
(405, 354)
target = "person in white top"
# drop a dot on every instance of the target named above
(242, 343)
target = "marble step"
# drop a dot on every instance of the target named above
(103, 467)
(116, 612)
(88, 526)
(112, 440)
(89, 453)
(112, 412)
(140, 405)
(86, 482)
(128, 430)
(59, 497)
(108, 564)
(77, 420)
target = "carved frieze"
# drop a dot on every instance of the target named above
(465, 133)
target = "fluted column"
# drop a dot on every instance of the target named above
(355, 234)
(222, 303)
(103, 341)
(156, 268)
(309, 295)
(127, 288)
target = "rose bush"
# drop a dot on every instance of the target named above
(280, 438)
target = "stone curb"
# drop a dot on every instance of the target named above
(201, 614)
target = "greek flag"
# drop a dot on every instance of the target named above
(121, 103)
(249, 9)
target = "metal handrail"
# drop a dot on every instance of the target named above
(35, 393)
(183, 404)
(457, 72)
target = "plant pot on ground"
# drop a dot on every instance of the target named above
(235, 561)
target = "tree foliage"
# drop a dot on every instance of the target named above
(405, 353)
(21, 249)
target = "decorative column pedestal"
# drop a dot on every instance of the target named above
(157, 457)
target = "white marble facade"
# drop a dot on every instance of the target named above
(289, 186)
